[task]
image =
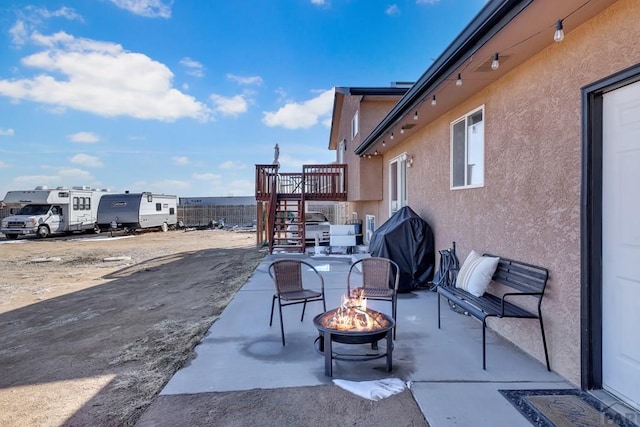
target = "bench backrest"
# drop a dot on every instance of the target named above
(521, 276)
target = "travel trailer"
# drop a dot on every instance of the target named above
(133, 211)
(44, 211)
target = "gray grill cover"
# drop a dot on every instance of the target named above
(408, 240)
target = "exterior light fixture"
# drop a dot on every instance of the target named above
(558, 36)
(410, 161)
(415, 116)
(384, 144)
(496, 61)
(459, 80)
(433, 101)
(402, 129)
(391, 137)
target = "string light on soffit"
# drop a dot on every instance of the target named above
(495, 63)
(558, 36)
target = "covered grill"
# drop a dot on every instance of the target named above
(408, 240)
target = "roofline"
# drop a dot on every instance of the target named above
(342, 91)
(489, 21)
(373, 91)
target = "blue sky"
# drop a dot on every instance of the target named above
(184, 97)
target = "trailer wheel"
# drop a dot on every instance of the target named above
(164, 227)
(96, 229)
(43, 231)
(11, 236)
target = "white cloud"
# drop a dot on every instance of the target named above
(101, 78)
(427, 1)
(240, 187)
(230, 106)
(180, 161)
(232, 165)
(288, 162)
(3, 164)
(84, 137)
(32, 16)
(392, 10)
(73, 176)
(282, 94)
(301, 116)
(245, 80)
(63, 12)
(63, 177)
(319, 2)
(31, 181)
(86, 160)
(147, 8)
(169, 186)
(6, 132)
(194, 68)
(207, 176)
(165, 186)
(19, 33)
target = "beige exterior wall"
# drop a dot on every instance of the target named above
(371, 112)
(529, 207)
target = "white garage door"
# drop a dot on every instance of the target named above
(621, 244)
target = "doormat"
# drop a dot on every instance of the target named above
(564, 408)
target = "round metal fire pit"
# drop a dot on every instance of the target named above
(328, 335)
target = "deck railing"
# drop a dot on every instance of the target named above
(318, 182)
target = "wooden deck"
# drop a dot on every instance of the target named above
(280, 195)
(315, 182)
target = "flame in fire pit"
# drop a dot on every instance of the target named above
(353, 315)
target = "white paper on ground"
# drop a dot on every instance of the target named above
(373, 390)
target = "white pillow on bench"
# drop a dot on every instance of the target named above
(476, 273)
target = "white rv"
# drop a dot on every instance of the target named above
(45, 211)
(133, 211)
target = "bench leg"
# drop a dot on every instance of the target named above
(544, 343)
(484, 344)
(438, 296)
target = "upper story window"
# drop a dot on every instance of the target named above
(467, 150)
(354, 125)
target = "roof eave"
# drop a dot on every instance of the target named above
(493, 16)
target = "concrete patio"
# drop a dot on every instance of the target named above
(442, 367)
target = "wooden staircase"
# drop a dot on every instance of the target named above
(281, 201)
(288, 223)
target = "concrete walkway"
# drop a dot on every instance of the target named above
(443, 367)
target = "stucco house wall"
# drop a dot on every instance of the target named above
(529, 207)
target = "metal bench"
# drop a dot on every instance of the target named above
(526, 281)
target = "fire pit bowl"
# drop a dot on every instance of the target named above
(369, 327)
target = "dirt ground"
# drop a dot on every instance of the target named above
(92, 327)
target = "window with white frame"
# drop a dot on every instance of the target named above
(467, 150)
(397, 183)
(354, 125)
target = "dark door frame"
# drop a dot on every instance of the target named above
(591, 224)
